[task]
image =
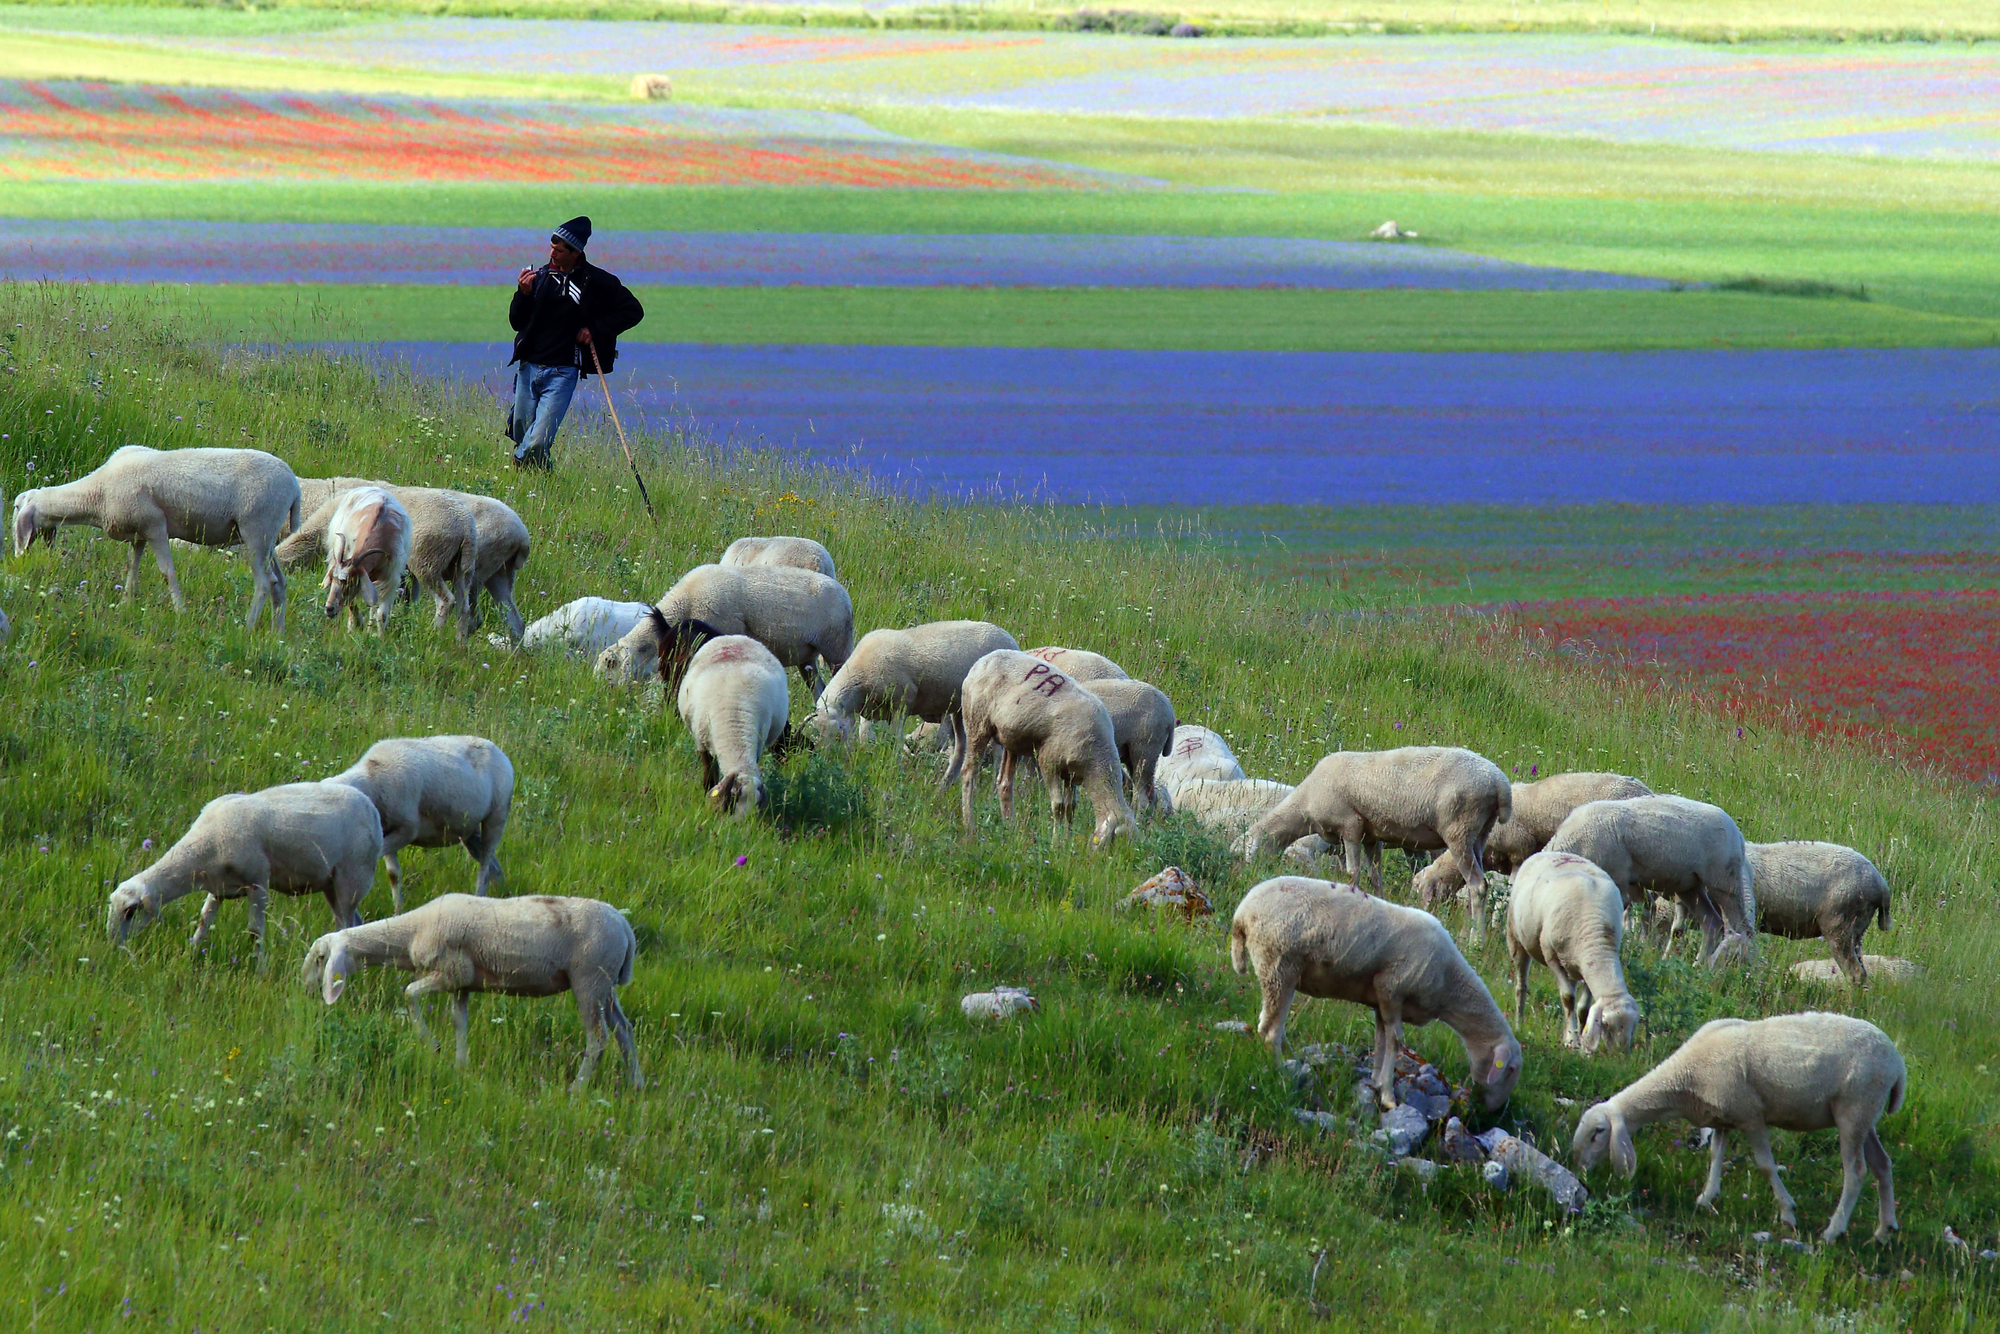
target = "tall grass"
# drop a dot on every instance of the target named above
(825, 1140)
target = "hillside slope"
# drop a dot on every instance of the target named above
(826, 1141)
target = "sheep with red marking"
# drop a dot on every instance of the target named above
(736, 706)
(1026, 707)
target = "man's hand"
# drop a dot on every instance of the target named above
(525, 282)
(583, 336)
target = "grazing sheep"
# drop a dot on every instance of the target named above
(798, 615)
(1418, 798)
(915, 673)
(800, 553)
(734, 702)
(1028, 708)
(297, 838)
(1230, 805)
(147, 497)
(444, 541)
(536, 945)
(1142, 719)
(1335, 942)
(1197, 753)
(1539, 810)
(1080, 664)
(1819, 889)
(433, 792)
(1568, 916)
(501, 550)
(1796, 1072)
(585, 627)
(1687, 851)
(367, 546)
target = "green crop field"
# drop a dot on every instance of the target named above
(825, 1141)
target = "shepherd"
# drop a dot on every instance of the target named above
(567, 316)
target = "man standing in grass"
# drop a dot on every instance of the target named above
(567, 316)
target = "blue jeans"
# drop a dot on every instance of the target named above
(541, 397)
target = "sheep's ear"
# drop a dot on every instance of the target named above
(335, 984)
(1624, 1156)
(1593, 1031)
(24, 526)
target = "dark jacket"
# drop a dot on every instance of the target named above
(547, 316)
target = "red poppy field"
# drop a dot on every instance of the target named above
(1920, 670)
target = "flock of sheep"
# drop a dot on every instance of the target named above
(1583, 849)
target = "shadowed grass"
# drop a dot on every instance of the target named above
(824, 1133)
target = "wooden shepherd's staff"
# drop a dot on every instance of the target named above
(606, 387)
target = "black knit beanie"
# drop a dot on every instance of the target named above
(575, 234)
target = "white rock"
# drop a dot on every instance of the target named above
(1407, 1129)
(1881, 968)
(1496, 1175)
(999, 1003)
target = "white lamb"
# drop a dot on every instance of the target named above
(800, 553)
(367, 546)
(1687, 851)
(585, 627)
(1418, 798)
(735, 704)
(147, 497)
(1335, 942)
(444, 541)
(1797, 1072)
(916, 673)
(536, 945)
(1539, 810)
(1824, 890)
(502, 549)
(434, 792)
(1142, 719)
(1025, 706)
(298, 838)
(1080, 664)
(1197, 753)
(1567, 915)
(800, 616)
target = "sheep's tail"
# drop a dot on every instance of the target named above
(1882, 907)
(625, 965)
(1239, 947)
(1505, 810)
(297, 514)
(1895, 1103)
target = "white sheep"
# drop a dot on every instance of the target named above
(1687, 851)
(735, 704)
(800, 616)
(1796, 1072)
(1080, 664)
(1142, 720)
(1335, 942)
(536, 945)
(297, 838)
(584, 627)
(1824, 890)
(367, 546)
(1019, 702)
(801, 553)
(1540, 807)
(501, 550)
(1197, 753)
(444, 541)
(1229, 805)
(1567, 915)
(434, 792)
(917, 673)
(1418, 798)
(147, 497)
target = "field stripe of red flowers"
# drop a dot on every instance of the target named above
(98, 131)
(1920, 670)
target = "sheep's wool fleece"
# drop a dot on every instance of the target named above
(1342, 938)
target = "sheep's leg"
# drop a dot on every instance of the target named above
(394, 866)
(1718, 1155)
(1760, 1149)
(1373, 849)
(501, 588)
(1006, 785)
(415, 992)
(258, 589)
(1853, 1161)
(1520, 970)
(461, 1014)
(463, 592)
(132, 569)
(274, 573)
(484, 849)
(260, 907)
(1470, 858)
(1847, 958)
(1278, 988)
(1566, 989)
(1353, 849)
(1388, 1041)
(968, 787)
(711, 772)
(628, 1048)
(955, 723)
(590, 1009)
(163, 556)
(1712, 930)
(1877, 1159)
(210, 906)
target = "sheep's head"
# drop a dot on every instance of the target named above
(738, 794)
(28, 523)
(1433, 882)
(1603, 1133)
(343, 576)
(676, 645)
(1736, 947)
(133, 908)
(327, 966)
(637, 655)
(1614, 1021)
(1111, 826)
(1497, 1070)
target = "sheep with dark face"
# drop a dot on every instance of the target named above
(802, 617)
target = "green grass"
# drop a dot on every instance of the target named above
(197, 1143)
(1130, 318)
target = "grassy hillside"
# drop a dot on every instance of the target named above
(825, 1140)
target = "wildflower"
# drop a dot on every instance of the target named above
(146, 845)
(742, 861)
